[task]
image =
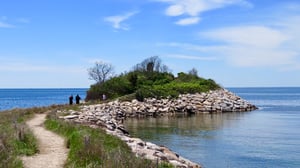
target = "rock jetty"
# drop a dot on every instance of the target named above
(110, 116)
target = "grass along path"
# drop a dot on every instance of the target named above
(52, 149)
(22, 133)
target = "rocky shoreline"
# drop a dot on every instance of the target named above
(110, 116)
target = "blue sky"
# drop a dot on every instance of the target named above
(238, 43)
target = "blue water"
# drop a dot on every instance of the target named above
(24, 98)
(268, 137)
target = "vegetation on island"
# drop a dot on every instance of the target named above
(150, 78)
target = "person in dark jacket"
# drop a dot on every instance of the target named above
(77, 99)
(71, 100)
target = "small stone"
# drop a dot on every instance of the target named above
(69, 117)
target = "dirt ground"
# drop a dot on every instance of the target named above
(52, 149)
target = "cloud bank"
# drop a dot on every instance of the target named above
(276, 45)
(191, 57)
(254, 46)
(192, 9)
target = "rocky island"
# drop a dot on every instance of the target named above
(111, 115)
(150, 90)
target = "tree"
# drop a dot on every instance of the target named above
(193, 72)
(101, 72)
(152, 64)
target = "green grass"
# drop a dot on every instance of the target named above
(89, 147)
(94, 148)
(15, 138)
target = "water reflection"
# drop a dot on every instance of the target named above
(268, 137)
(182, 125)
(252, 139)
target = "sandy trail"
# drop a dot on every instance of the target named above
(53, 152)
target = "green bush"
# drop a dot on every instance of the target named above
(158, 86)
(144, 84)
(183, 77)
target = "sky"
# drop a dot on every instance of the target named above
(238, 43)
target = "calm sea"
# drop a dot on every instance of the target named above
(24, 98)
(265, 138)
(268, 137)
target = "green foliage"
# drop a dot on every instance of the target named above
(113, 88)
(27, 145)
(183, 77)
(15, 138)
(145, 82)
(94, 148)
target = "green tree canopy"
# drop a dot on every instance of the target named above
(151, 78)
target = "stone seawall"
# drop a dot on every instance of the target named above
(110, 116)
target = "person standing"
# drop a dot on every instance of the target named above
(71, 100)
(77, 98)
(103, 97)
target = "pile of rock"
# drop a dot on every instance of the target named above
(110, 116)
(154, 152)
(211, 102)
(98, 116)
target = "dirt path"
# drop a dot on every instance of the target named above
(53, 152)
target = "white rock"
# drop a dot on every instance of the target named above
(71, 117)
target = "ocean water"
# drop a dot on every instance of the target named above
(24, 98)
(265, 138)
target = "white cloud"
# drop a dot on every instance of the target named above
(188, 21)
(249, 56)
(192, 47)
(254, 46)
(175, 10)
(191, 57)
(259, 36)
(275, 46)
(194, 8)
(117, 20)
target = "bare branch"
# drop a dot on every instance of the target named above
(193, 72)
(150, 65)
(101, 72)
